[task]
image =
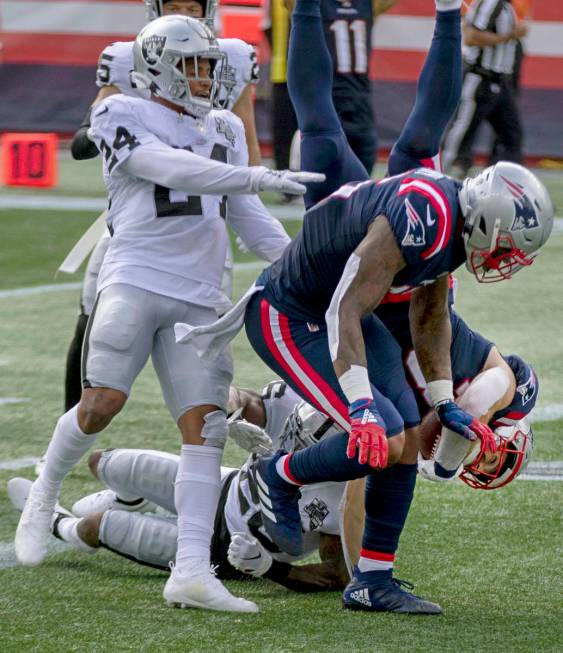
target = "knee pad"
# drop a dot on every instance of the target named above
(215, 429)
(116, 324)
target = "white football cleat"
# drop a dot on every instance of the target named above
(203, 590)
(108, 500)
(34, 529)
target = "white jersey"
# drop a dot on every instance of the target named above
(174, 242)
(116, 63)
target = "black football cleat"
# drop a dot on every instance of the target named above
(378, 591)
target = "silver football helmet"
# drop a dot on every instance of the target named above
(155, 9)
(305, 426)
(161, 52)
(515, 445)
(508, 218)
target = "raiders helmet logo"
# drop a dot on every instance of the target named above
(525, 214)
(152, 49)
(527, 390)
(415, 235)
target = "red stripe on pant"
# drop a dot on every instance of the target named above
(377, 555)
(304, 370)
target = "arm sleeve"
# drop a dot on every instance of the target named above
(259, 230)
(82, 147)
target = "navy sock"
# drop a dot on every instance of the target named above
(389, 495)
(327, 461)
(437, 95)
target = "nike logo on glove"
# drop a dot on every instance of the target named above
(429, 220)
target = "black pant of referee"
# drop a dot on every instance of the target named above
(490, 97)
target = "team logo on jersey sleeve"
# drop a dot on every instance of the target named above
(527, 390)
(152, 48)
(223, 127)
(415, 236)
(525, 214)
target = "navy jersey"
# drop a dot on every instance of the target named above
(347, 25)
(423, 211)
(469, 352)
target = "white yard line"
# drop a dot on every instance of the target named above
(283, 212)
(5, 401)
(76, 285)
(17, 463)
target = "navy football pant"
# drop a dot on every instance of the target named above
(298, 351)
(324, 147)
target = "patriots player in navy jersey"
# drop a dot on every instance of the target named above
(312, 321)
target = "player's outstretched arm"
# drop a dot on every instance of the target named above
(367, 276)
(431, 334)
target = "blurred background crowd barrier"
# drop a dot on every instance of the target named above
(49, 50)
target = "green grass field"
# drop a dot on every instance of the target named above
(491, 559)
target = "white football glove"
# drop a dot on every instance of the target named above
(287, 181)
(427, 471)
(247, 555)
(248, 436)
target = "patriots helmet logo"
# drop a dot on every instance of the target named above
(525, 213)
(527, 390)
(152, 48)
(415, 235)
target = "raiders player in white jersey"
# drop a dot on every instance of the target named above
(113, 76)
(169, 162)
(135, 516)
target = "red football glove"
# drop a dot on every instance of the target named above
(456, 419)
(367, 434)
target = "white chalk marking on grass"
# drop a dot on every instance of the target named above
(5, 401)
(39, 290)
(548, 413)
(543, 471)
(8, 557)
(18, 463)
(76, 285)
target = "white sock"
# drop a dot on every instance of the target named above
(196, 493)
(67, 530)
(448, 6)
(66, 448)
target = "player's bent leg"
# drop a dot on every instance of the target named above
(97, 407)
(137, 480)
(437, 96)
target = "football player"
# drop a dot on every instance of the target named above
(113, 76)
(136, 517)
(310, 317)
(168, 162)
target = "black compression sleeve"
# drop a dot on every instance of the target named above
(82, 147)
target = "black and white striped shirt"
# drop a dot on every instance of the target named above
(499, 17)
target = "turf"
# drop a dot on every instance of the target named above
(490, 558)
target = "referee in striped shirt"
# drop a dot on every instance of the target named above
(491, 32)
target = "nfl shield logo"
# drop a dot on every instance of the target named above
(152, 49)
